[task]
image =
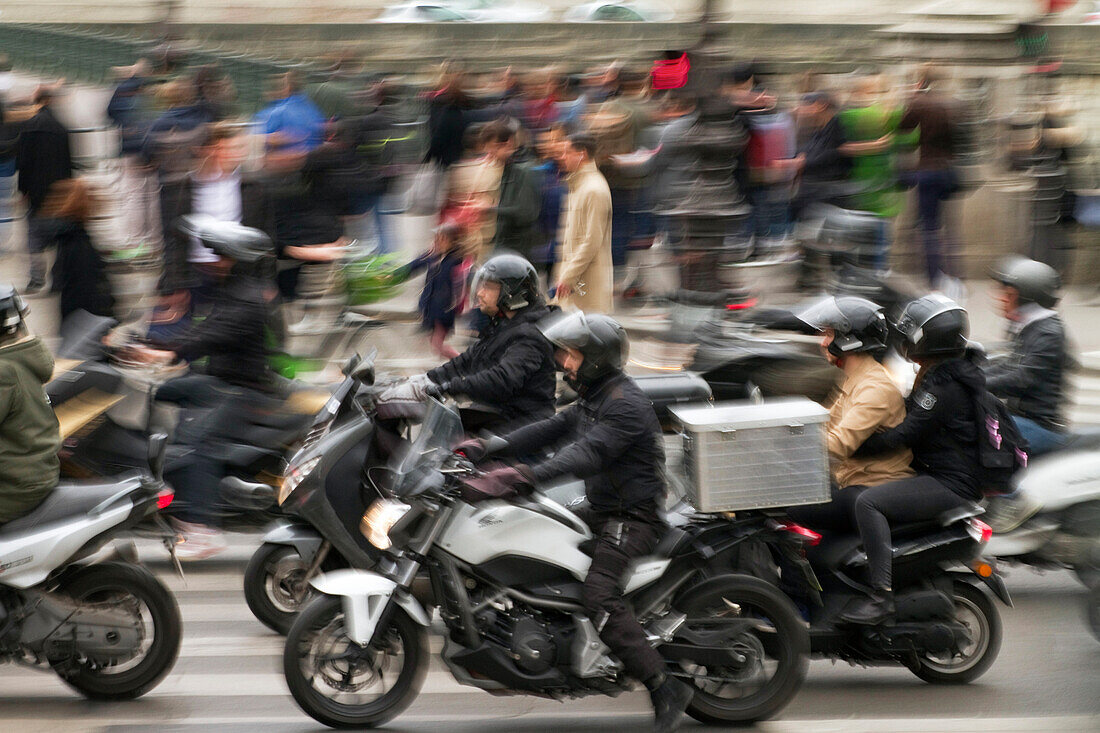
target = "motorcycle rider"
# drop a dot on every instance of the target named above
(1032, 380)
(940, 428)
(29, 433)
(854, 339)
(237, 379)
(611, 438)
(510, 368)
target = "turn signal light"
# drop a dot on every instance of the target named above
(742, 306)
(813, 539)
(982, 569)
(980, 531)
(164, 499)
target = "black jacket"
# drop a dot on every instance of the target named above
(232, 335)
(939, 427)
(511, 367)
(42, 156)
(175, 201)
(1032, 380)
(79, 274)
(613, 442)
(518, 209)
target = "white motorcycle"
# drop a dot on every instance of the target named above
(110, 630)
(506, 578)
(1052, 520)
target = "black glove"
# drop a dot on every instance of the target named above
(437, 390)
(474, 449)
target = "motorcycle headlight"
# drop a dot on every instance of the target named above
(380, 518)
(294, 476)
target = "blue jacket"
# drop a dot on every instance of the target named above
(296, 117)
(127, 110)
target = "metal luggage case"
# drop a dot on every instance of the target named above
(741, 455)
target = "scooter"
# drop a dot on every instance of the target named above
(1052, 519)
(110, 630)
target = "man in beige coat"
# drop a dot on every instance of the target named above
(584, 278)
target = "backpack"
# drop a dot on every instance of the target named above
(1002, 449)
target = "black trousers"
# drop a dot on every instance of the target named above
(908, 500)
(836, 516)
(621, 538)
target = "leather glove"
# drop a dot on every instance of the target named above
(473, 448)
(500, 483)
(411, 390)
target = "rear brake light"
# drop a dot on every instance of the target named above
(979, 530)
(164, 499)
(742, 306)
(810, 537)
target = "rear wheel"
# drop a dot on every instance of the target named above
(343, 685)
(765, 632)
(276, 586)
(135, 591)
(975, 611)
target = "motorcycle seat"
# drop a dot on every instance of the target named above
(72, 498)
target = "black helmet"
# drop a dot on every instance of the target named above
(12, 310)
(1034, 281)
(860, 325)
(228, 238)
(519, 281)
(933, 326)
(599, 338)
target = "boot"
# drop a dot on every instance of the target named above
(670, 700)
(872, 610)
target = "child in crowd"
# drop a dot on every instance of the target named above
(444, 294)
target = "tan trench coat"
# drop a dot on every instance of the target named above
(585, 261)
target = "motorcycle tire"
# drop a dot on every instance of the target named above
(790, 643)
(324, 614)
(977, 603)
(269, 586)
(97, 583)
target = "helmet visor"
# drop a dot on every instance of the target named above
(566, 330)
(825, 314)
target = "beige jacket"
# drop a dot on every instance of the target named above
(868, 401)
(585, 262)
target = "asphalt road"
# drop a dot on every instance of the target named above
(228, 678)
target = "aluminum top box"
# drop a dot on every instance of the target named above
(742, 455)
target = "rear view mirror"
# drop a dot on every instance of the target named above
(158, 444)
(351, 364)
(364, 370)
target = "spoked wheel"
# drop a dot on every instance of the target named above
(762, 629)
(343, 685)
(115, 587)
(275, 586)
(975, 611)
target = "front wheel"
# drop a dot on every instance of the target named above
(135, 591)
(765, 632)
(975, 611)
(343, 685)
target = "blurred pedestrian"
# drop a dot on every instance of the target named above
(42, 158)
(935, 178)
(869, 125)
(214, 92)
(473, 193)
(447, 119)
(444, 293)
(9, 140)
(550, 147)
(584, 278)
(173, 138)
(820, 164)
(291, 123)
(79, 273)
(520, 198)
(139, 189)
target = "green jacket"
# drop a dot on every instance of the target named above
(29, 433)
(518, 209)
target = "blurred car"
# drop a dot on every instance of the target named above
(1093, 16)
(466, 11)
(629, 11)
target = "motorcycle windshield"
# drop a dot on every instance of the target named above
(440, 431)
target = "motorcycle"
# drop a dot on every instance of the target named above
(109, 630)
(106, 408)
(946, 629)
(1052, 519)
(324, 505)
(506, 578)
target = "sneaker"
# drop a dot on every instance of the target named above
(670, 700)
(198, 542)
